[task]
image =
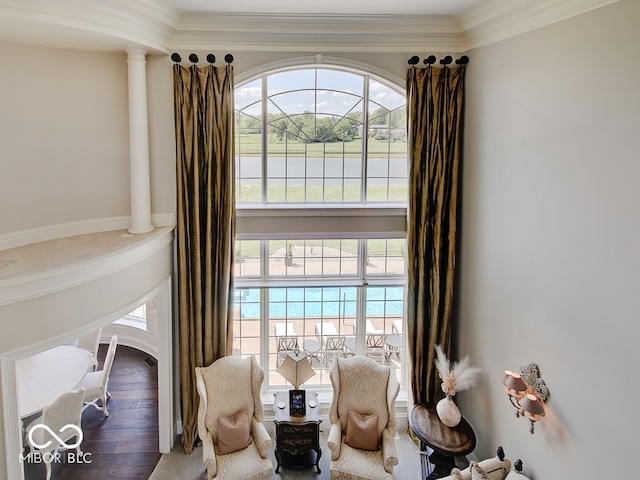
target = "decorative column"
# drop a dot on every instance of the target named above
(139, 144)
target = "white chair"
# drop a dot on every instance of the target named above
(235, 442)
(64, 411)
(333, 348)
(96, 383)
(286, 340)
(91, 342)
(375, 347)
(363, 420)
(333, 344)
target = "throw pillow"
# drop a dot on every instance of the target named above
(233, 432)
(477, 473)
(513, 475)
(362, 430)
(456, 474)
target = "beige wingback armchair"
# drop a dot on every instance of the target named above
(363, 420)
(235, 442)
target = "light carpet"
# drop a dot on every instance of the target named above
(175, 465)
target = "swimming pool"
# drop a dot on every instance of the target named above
(318, 302)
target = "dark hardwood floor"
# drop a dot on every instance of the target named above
(123, 446)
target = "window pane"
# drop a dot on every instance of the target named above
(353, 167)
(385, 96)
(295, 190)
(246, 323)
(247, 259)
(398, 191)
(385, 257)
(248, 94)
(248, 190)
(250, 167)
(280, 82)
(337, 80)
(313, 258)
(398, 168)
(333, 190)
(276, 167)
(314, 190)
(248, 142)
(384, 325)
(378, 167)
(377, 190)
(295, 167)
(315, 167)
(352, 188)
(277, 190)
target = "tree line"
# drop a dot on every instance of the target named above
(309, 127)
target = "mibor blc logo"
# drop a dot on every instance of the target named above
(56, 456)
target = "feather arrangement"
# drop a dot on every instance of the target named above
(457, 377)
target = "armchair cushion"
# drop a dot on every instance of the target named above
(357, 464)
(362, 430)
(233, 432)
(244, 464)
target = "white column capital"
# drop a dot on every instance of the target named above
(136, 54)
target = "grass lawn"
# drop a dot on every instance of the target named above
(251, 145)
(393, 247)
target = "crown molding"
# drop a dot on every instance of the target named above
(95, 24)
(496, 20)
(159, 27)
(327, 33)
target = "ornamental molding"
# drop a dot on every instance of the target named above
(490, 22)
(327, 33)
(161, 28)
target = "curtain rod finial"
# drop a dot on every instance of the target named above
(228, 58)
(175, 57)
(414, 60)
(430, 60)
(463, 60)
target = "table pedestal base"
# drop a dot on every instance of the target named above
(435, 465)
(439, 445)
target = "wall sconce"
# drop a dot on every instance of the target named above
(527, 392)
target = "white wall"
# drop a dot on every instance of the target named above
(64, 135)
(549, 266)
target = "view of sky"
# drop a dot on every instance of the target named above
(295, 92)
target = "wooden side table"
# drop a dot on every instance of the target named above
(297, 437)
(440, 443)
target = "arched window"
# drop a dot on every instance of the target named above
(321, 196)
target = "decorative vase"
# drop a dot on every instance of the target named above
(448, 412)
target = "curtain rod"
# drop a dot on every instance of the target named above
(193, 58)
(431, 59)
